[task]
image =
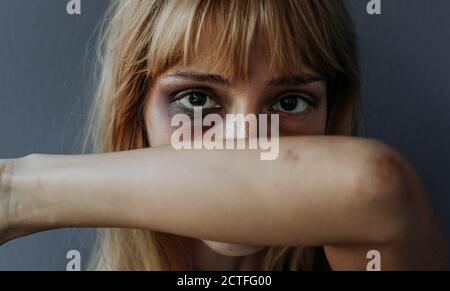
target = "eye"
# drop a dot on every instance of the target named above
(193, 99)
(292, 104)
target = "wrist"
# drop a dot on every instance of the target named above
(26, 209)
(6, 170)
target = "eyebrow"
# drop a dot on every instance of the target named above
(294, 80)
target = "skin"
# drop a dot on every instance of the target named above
(255, 96)
(350, 195)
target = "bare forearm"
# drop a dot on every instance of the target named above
(305, 197)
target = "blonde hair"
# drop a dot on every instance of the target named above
(144, 38)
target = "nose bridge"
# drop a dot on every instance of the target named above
(242, 121)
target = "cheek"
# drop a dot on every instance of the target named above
(311, 124)
(157, 120)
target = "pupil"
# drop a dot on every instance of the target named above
(197, 100)
(289, 103)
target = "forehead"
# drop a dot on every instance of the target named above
(259, 67)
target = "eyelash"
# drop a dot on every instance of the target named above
(180, 94)
(308, 98)
(176, 96)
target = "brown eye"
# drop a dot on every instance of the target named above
(291, 104)
(197, 99)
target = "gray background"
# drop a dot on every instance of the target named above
(45, 85)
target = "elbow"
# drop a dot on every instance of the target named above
(391, 193)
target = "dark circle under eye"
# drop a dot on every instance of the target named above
(197, 99)
(289, 103)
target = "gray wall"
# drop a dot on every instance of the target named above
(45, 56)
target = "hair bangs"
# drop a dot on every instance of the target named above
(221, 33)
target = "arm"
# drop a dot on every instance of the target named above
(320, 191)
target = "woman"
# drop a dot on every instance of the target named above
(324, 203)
